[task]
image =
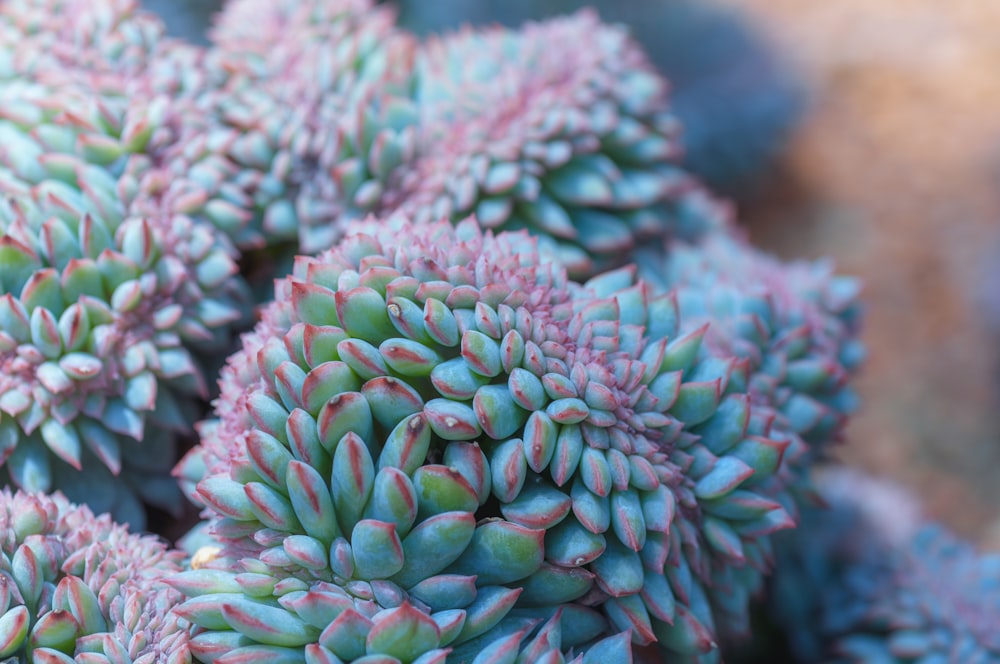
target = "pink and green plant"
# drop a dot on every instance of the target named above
(79, 588)
(437, 374)
(109, 288)
(436, 444)
(867, 579)
(302, 111)
(526, 129)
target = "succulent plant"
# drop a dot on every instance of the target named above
(251, 611)
(943, 605)
(796, 323)
(867, 580)
(80, 588)
(434, 444)
(710, 54)
(574, 420)
(100, 41)
(289, 136)
(108, 288)
(527, 130)
(838, 560)
(795, 327)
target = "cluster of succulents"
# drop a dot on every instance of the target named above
(868, 580)
(579, 447)
(544, 405)
(297, 117)
(796, 324)
(711, 56)
(109, 289)
(577, 145)
(793, 329)
(79, 588)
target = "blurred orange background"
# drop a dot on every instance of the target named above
(895, 173)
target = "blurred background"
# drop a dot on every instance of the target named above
(863, 130)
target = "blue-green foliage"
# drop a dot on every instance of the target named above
(865, 581)
(711, 58)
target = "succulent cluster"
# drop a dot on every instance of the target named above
(525, 130)
(944, 604)
(296, 118)
(292, 139)
(796, 324)
(102, 42)
(79, 588)
(425, 404)
(544, 405)
(866, 580)
(109, 288)
(711, 56)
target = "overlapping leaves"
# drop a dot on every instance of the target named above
(425, 374)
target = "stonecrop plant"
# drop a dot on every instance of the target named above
(109, 289)
(431, 406)
(867, 580)
(793, 329)
(525, 129)
(79, 588)
(307, 109)
(520, 392)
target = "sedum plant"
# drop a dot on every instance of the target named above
(99, 41)
(569, 437)
(295, 118)
(831, 568)
(434, 445)
(867, 580)
(109, 287)
(525, 129)
(797, 324)
(80, 588)
(943, 604)
(795, 328)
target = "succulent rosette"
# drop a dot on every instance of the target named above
(525, 129)
(101, 40)
(573, 437)
(293, 120)
(255, 612)
(107, 290)
(831, 568)
(943, 605)
(796, 329)
(866, 580)
(797, 324)
(80, 588)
